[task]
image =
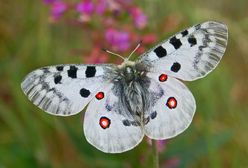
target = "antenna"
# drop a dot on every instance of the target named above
(125, 59)
(110, 52)
(134, 50)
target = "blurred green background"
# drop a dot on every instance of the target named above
(29, 137)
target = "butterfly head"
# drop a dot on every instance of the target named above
(130, 71)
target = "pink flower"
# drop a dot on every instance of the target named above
(140, 19)
(160, 144)
(149, 38)
(120, 40)
(101, 6)
(173, 162)
(57, 10)
(48, 2)
(114, 6)
(85, 7)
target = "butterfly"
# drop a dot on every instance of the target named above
(136, 98)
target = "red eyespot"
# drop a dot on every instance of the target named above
(163, 77)
(171, 102)
(104, 122)
(99, 95)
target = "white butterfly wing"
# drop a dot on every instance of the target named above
(173, 110)
(64, 89)
(107, 125)
(190, 54)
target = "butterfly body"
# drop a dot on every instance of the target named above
(134, 99)
(130, 85)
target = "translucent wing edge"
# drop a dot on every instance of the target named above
(215, 38)
(46, 97)
(218, 48)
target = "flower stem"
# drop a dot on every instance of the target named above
(155, 154)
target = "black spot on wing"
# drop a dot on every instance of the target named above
(160, 51)
(108, 107)
(45, 70)
(175, 42)
(90, 71)
(198, 26)
(57, 79)
(184, 33)
(153, 115)
(60, 68)
(192, 41)
(84, 92)
(51, 90)
(175, 67)
(126, 122)
(72, 72)
(135, 123)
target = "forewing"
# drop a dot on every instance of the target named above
(190, 54)
(107, 125)
(173, 108)
(64, 89)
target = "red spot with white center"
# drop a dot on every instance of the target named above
(171, 102)
(163, 77)
(104, 122)
(100, 95)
